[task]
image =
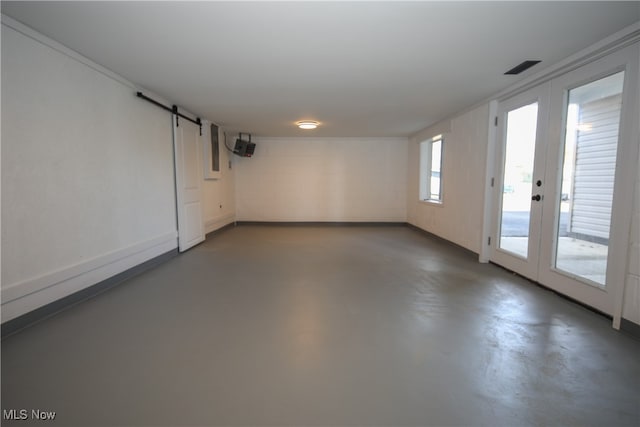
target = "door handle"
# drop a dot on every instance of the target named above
(537, 198)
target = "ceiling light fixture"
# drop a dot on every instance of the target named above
(307, 124)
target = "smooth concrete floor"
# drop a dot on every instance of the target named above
(266, 325)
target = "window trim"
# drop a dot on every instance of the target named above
(425, 170)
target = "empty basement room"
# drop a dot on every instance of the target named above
(320, 213)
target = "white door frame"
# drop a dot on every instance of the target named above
(620, 45)
(623, 38)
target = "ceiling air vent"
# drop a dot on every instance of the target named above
(521, 67)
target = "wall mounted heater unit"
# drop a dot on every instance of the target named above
(243, 147)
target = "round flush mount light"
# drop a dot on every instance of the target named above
(307, 124)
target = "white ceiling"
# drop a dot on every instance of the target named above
(360, 68)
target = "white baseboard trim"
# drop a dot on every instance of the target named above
(216, 223)
(25, 296)
(300, 219)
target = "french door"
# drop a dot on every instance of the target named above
(563, 187)
(522, 122)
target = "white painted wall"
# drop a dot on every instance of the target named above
(631, 302)
(87, 174)
(459, 218)
(631, 306)
(323, 179)
(219, 194)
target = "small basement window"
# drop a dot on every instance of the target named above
(431, 169)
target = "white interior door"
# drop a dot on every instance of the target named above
(565, 183)
(188, 183)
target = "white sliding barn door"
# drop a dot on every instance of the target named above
(188, 183)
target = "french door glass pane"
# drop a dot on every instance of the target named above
(520, 146)
(590, 147)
